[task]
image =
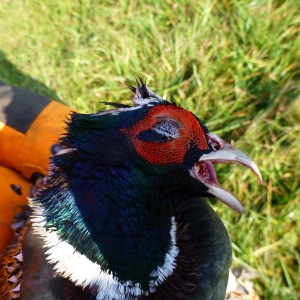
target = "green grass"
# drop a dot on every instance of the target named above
(236, 64)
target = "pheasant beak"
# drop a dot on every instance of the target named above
(222, 153)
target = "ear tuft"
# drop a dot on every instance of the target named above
(141, 90)
(143, 94)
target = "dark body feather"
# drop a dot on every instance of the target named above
(202, 264)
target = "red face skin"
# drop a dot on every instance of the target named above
(171, 151)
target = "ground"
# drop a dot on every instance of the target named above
(236, 64)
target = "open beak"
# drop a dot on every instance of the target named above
(226, 153)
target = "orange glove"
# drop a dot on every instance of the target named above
(29, 125)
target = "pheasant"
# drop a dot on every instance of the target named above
(121, 213)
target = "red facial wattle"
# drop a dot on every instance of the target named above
(173, 151)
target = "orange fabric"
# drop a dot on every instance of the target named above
(22, 155)
(43, 132)
(10, 203)
(30, 153)
(10, 142)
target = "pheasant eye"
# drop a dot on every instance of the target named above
(162, 131)
(169, 128)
